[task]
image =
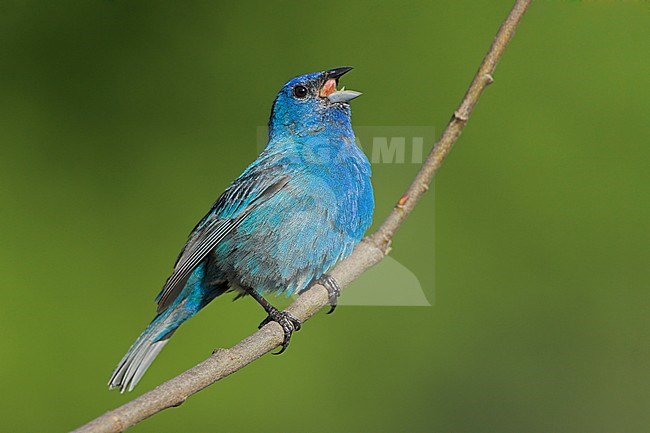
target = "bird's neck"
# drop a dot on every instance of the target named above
(321, 143)
(286, 124)
(326, 142)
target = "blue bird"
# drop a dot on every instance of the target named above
(297, 210)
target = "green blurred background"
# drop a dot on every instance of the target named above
(122, 121)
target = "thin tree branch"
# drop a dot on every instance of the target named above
(369, 252)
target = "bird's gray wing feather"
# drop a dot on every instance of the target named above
(244, 195)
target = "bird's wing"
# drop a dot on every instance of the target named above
(242, 197)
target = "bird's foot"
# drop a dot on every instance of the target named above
(333, 290)
(288, 323)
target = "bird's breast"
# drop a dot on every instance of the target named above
(298, 234)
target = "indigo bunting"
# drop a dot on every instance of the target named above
(297, 210)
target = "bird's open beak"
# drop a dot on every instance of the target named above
(329, 88)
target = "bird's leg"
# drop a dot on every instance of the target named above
(333, 290)
(288, 323)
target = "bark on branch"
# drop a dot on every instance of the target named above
(369, 252)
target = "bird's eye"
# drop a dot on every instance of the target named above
(300, 91)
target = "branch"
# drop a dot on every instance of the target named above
(369, 252)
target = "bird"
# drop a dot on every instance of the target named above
(280, 227)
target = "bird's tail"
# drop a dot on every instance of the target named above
(145, 349)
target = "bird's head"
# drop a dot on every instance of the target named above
(311, 103)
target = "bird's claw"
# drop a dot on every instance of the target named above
(333, 290)
(288, 323)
